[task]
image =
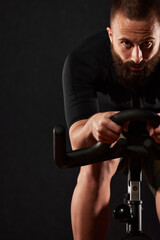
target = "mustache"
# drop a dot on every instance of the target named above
(132, 64)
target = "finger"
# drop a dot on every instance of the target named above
(103, 140)
(157, 131)
(156, 138)
(125, 126)
(156, 135)
(107, 136)
(151, 130)
(111, 124)
(107, 125)
(114, 127)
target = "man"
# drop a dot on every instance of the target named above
(121, 65)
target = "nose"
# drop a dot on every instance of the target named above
(137, 55)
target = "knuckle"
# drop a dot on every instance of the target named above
(99, 130)
(98, 136)
(157, 130)
(101, 126)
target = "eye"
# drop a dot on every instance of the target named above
(147, 44)
(126, 44)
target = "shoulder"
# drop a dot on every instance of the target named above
(92, 51)
(94, 43)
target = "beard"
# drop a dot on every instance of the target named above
(131, 78)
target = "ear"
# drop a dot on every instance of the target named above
(110, 35)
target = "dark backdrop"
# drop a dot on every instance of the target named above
(35, 195)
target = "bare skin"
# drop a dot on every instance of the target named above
(157, 199)
(132, 40)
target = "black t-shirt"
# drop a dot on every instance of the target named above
(90, 83)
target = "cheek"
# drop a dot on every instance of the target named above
(149, 53)
(125, 54)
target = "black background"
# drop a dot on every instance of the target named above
(35, 195)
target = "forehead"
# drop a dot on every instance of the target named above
(124, 27)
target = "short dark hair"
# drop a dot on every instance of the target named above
(136, 9)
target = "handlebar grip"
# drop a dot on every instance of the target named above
(141, 115)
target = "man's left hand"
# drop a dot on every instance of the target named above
(154, 132)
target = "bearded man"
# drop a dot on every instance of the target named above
(114, 70)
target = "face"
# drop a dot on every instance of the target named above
(135, 47)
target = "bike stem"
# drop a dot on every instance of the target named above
(134, 225)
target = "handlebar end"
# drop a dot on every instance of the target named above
(59, 146)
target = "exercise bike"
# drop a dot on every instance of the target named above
(136, 146)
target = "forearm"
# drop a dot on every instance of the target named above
(81, 135)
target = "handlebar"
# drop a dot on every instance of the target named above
(102, 152)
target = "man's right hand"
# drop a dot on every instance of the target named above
(98, 128)
(104, 129)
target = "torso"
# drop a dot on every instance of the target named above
(90, 83)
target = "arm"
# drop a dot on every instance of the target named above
(98, 128)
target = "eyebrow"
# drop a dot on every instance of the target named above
(145, 39)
